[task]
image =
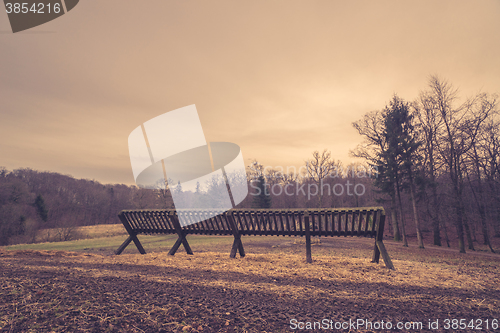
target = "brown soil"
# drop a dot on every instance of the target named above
(55, 291)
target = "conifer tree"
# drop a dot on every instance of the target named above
(263, 197)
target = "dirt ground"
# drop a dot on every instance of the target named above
(272, 289)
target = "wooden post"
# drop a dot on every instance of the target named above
(385, 255)
(182, 237)
(132, 236)
(124, 245)
(308, 237)
(379, 244)
(379, 234)
(237, 244)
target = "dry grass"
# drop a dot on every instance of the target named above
(75, 233)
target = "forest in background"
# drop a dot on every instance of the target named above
(433, 163)
(31, 201)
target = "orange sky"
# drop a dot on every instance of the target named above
(279, 78)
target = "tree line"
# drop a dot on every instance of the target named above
(437, 159)
(31, 200)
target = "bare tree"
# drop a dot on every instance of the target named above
(490, 147)
(461, 125)
(479, 159)
(320, 167)
(431, 125)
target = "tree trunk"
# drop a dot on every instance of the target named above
(459, 223)
(480, 206)
(469, 236)
(415, 216)
(459, 218)
(395, 224)
(405, 240)
(462, 208)
(435, 217)
(446, 233)
(458, 201)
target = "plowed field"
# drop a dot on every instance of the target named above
(272, 289)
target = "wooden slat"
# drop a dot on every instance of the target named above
(267, 223)
(327, 224)
(170, 216)
(150, 222)
(249, 219)
(225, 224)
(156, 221)
(280, 215)
(137, 221)
(289, 223)
(217, 225)
(211, 224)
(349, 223)
(261, 218)
(324, 218)
(131, 220)
(144, 220)
(313, 220)
(342, 229)
(205, 224)
(189, 219)
(255, 223)
(245, 220)
(334, 223)
(237, 220)
(375, 222)
(362, 222)
(161, 220)
(277, 224)
(273, 223)
(371, 224)
(331, 224)
(196, 227)
(225, 228)
(298, 220)
(357, 218)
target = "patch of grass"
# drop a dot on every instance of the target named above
(156, 243)
(86, 232)
(102, 230)
(76, 245)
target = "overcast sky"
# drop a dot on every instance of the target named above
(279, 78)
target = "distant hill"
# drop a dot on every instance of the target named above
(31, 200)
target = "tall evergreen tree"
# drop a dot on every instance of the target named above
(41, 208)
(263, 197)
(402, 145)
(372, 127)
